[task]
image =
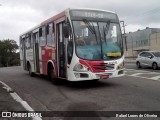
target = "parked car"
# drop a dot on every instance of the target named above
(148, 59)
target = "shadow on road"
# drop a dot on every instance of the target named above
(147, 68)
(88, 84)
(80, 84)
(82, 111)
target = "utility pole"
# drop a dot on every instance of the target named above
(132, 45)
(124, 34)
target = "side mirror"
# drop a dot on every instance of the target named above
(66, 30)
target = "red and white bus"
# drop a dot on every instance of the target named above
(76, 45)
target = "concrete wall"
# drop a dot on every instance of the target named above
(142, 40)
(155, 41)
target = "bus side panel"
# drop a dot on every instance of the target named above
(47, 53)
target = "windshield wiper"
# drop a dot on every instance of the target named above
(105, 30)
(91, 28)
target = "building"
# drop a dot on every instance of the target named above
(142, 40)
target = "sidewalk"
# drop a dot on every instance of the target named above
(7, 104)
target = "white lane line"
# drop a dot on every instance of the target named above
(136, 74)
(155, 78)
(17, 98)
(129, 69)
(135, 70)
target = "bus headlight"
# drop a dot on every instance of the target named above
(120, 66)
(80, 68)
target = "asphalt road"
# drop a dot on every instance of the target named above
(137, 91)
(133, 66)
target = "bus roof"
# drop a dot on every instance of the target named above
(61, 14)
(92, 9)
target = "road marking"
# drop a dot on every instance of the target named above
(138, 73)
(136, 70)
(140, 77)
(17, 98)
(128, 70)
(155, 78)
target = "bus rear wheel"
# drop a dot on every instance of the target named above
(30, 70)
(52, 75)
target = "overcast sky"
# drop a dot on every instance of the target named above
(17, 16)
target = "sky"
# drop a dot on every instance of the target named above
(18, 16)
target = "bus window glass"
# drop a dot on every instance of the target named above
(50, 35)
(85, 32)
(28, 42)
(42, 37)
(21, 42)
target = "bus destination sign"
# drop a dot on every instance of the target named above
(92, 14)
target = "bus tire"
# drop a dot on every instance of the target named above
(52, 75)
(30, 71)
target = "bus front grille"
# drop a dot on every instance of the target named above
(104, 66)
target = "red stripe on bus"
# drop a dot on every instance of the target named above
(92, 64)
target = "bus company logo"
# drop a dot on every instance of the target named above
(6, 114)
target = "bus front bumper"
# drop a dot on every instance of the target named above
(82, 76)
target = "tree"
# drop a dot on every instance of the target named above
(8, 55)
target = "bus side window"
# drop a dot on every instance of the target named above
(50, 34)
(23, 43)
(30, 40)
(20, 44)
(27, 42)
(42, 38)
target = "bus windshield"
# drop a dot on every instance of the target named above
(98, 40)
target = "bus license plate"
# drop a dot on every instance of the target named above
(104, 76)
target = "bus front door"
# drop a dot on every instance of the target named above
(61, 59)
(36, 52)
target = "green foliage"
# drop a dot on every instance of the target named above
(8, 55)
